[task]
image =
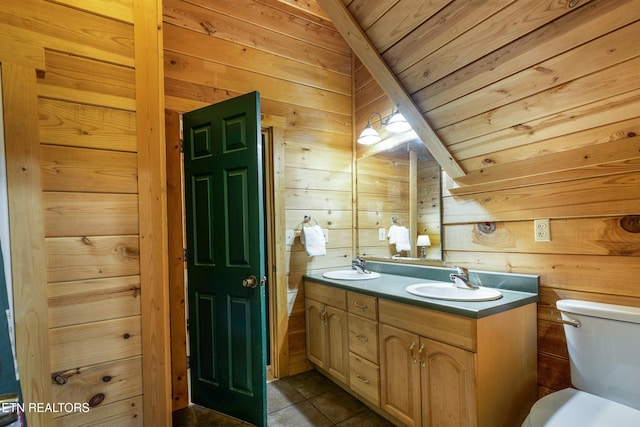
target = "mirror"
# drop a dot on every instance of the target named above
(398, 184)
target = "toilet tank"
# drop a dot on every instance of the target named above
(604, 350)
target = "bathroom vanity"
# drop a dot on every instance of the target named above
(426, 362)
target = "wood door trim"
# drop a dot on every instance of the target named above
(24, 186)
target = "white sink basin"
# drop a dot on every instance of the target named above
(350, 275)
(446, 291)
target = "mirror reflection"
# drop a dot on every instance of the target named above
(398, 199)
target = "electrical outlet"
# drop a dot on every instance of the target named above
(289, 237)
(382, 234)
(542, 230)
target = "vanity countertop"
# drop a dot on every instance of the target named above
(392, 287)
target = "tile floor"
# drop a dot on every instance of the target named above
(307, 399)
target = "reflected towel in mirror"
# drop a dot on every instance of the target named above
(399, 236)
(313, 239)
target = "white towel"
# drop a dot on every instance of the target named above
(313, 239)
(399, 236)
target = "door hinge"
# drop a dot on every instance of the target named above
(187, 325)
(184, 255)
(188, 362)
(182, 145)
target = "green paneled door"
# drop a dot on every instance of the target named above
(223, 156)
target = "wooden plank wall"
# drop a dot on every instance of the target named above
(86, 201)
(302, 69)
(383, 181)
(382, 193)
(590, 256)
(428, 206)
(90, 212)
(379, 197)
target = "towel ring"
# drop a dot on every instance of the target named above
(307, 220)
(396, 220)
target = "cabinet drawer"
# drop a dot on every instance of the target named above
(364, 378)
(327, 294)
(362, 305)
(363, 337)
(448, 328)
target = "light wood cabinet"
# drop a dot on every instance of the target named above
(327, 330)
(363, 346)
(439, 369)
(316, 331)
(364, 378)
(453, 404)
(424, 367)
(363, 337)
(400, 374)
(425, 382)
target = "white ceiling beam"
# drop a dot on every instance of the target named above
(368, 54)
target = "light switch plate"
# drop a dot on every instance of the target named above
(382, 234)
(289, 237)
(325, 231)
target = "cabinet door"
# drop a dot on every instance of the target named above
(400, 374)
(337, 361)
(315, 318)
(448, 385)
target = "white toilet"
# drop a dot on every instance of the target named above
(604, 351)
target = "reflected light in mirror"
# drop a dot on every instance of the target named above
(423, 241)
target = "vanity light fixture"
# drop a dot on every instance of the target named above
(369, 135)
(395, 123)
(423, 241)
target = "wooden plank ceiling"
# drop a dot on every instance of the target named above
(514, 91)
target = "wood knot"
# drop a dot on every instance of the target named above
(62, 377)
(106, 378)
(630, 223)
(96, 400)
(486, 227)
(59, 379)
(543, 70)
(522, 127)
(126, 336)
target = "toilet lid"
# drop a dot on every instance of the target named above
(574, 408)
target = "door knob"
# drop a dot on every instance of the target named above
(250, 282)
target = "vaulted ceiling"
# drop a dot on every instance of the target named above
(507, 92)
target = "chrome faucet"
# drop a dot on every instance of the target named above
(461, 279)
(358, 265)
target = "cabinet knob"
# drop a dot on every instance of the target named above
(323, 314)
(362, 379)
(361, 306)
(362, 338)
